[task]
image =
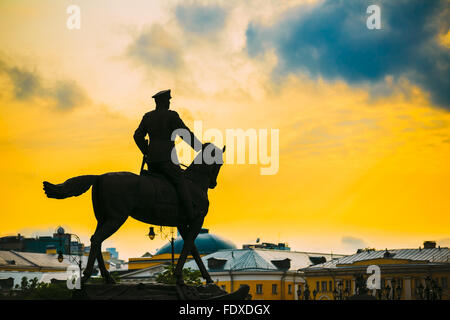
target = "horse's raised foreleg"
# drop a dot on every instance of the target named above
(103, 231)
(196, 255)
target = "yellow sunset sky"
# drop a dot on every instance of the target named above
(363, 157)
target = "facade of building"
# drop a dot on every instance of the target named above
(19, 254)
(271, 274)
(406, 274)
(14, 265)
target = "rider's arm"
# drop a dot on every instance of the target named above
(139, 137)
(179, 124)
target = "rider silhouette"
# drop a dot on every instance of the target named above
(159, 124)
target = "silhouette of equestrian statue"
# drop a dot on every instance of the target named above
(164, 195)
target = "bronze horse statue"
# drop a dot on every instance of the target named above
(148, 198)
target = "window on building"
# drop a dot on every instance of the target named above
(274, 289)
(324, 286)
(259, 289)
(436, 280)
(317, 286)
(416, 283)
(348, 285)
(330, 285)
(399, 282)
(299, 290)
(444, 283)
(289, 288)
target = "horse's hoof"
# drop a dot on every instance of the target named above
(109, 280)
(84, 279)
(180, 292)
(187, 292)
(180, 283)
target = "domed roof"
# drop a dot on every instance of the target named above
(206, 243)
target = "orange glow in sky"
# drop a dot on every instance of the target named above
(356, 168)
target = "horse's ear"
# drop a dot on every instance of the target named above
(223, 149)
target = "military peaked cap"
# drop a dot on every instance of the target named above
(161, 94)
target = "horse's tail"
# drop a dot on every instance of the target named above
(73, 187)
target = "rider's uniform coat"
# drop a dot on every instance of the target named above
(159, 124)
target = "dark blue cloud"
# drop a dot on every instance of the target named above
(331, 40)
(27, 85)
(200, 19)
(68, 95)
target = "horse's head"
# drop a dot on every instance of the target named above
(216, 153)
(206, 165)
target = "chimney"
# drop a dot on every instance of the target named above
(429, 244)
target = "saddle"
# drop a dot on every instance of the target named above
(157, 194)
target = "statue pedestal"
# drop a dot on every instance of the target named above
(364, 296)
(158, 291)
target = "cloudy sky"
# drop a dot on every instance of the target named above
(363, 114)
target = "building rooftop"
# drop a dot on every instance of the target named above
(13, 260)
(267, 245)
(432, 255)
(260, 260)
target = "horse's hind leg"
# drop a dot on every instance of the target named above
(103, 231)
(101, 265)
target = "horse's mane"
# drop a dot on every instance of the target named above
(198, 160)
(197, 164)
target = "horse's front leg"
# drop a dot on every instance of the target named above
(187, 245)
(188, 238)
(200, 264)
(196, 255)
